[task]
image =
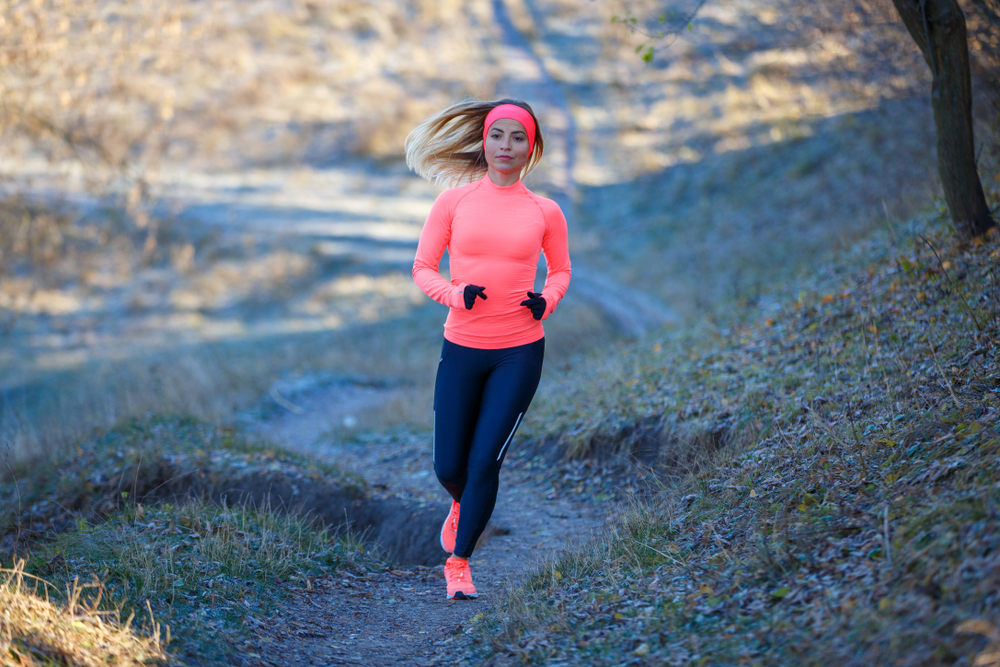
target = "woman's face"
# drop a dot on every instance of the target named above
(506, 146)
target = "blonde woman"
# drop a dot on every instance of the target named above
(494, 229)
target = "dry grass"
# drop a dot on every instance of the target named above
(300, 79)
(126, 319)
(157, 459)
(752, 147)
(197, 525)
(94, 333)
(731, 369)
(830, 493)
(765, 105)
(212, 381)
(110, 309)
(208, 573)
(35, 630)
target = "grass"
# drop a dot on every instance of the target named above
(94, 336)
(202, 574)
(108, 77)
(829, 460)
(735, 222)
(293, 99)
(209, 573)
(204, 570)
(150, 460)
(830, 470)
(36, 631)
(210, 381)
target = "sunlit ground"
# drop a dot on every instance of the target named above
(256, 255)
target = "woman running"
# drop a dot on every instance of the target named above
(491, 360)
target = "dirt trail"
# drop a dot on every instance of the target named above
(633, 312)
(401, 617)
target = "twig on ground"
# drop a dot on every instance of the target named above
(284, 402)
(954, 287)
(886, 535)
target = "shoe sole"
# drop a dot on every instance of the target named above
(459, 595)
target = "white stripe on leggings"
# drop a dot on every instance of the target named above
(434, 430)
(502, 449)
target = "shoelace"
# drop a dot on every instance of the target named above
(462, 569)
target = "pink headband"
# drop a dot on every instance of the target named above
(512, 112)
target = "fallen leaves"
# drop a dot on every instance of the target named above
(869, 428)
(989, 656)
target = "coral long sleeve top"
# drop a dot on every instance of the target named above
(493, 236)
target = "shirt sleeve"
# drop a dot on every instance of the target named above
(434, 238)
(555, 245)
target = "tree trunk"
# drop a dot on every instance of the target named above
(938, 28)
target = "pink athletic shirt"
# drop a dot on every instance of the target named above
(493, 236)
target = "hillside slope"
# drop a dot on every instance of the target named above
(831, 492)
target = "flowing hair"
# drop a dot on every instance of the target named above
(447, 149)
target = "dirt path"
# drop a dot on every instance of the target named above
(401, 617)
(633, 312)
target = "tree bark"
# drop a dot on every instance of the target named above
(938, 28)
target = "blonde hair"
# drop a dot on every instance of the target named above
(447, 148)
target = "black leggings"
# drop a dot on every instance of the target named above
(480, 397)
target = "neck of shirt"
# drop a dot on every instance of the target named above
(488, 183)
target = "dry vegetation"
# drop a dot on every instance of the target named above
(209, 573)
(111, 307)
(35, 630)
(830, 493)
(200, 528)
(755, 146)
(142, 301)
(830, 450)
(141, 84)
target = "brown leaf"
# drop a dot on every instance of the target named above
(988, 658)
(979, 626)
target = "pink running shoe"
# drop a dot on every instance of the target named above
(450, 529)
(459, 578)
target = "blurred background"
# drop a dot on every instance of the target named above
(204, 208)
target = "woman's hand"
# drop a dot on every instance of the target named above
(536, 304)
(471, 292)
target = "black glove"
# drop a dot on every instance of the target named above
(536, 304)
(471, 292)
